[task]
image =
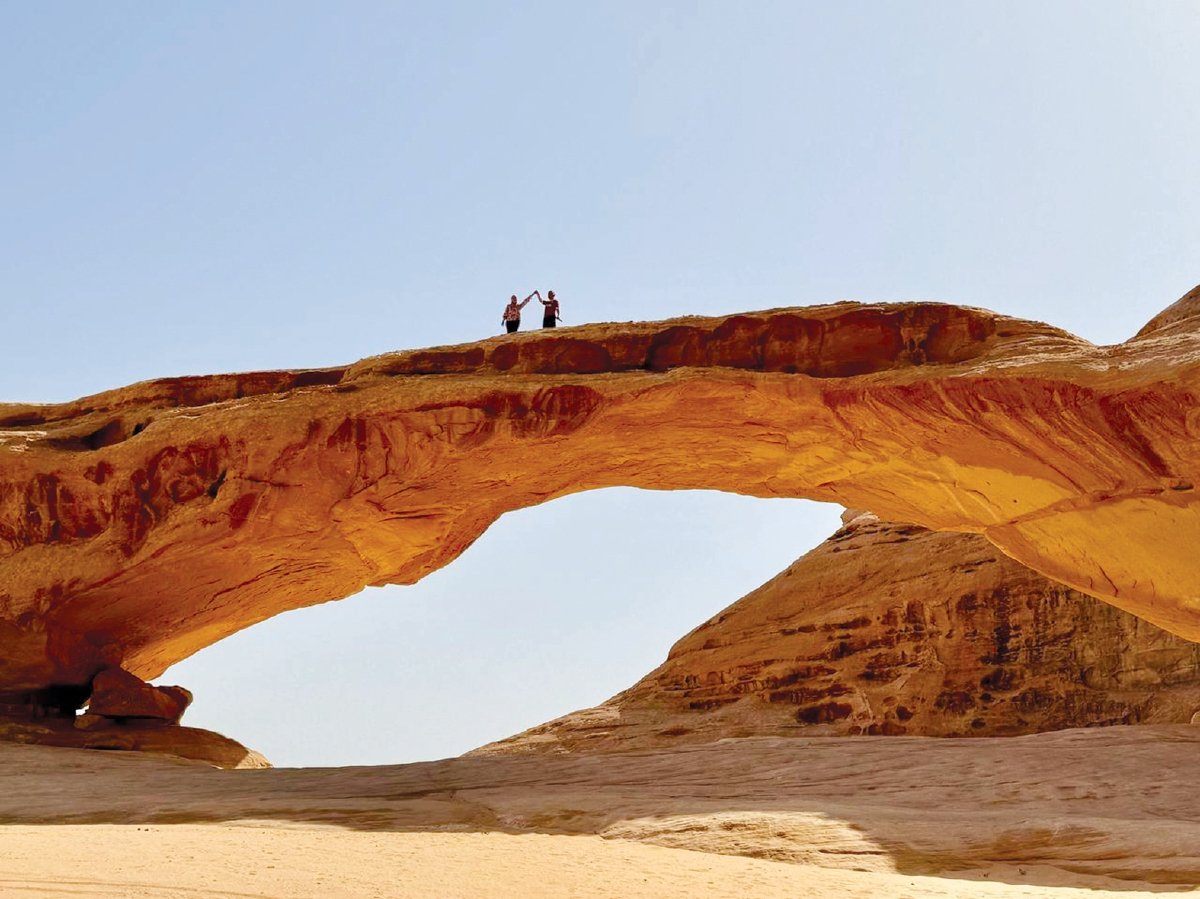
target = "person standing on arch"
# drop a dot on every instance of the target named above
(511, 319)
(550, 316)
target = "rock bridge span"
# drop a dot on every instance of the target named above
(140, 525)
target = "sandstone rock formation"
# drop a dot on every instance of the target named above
(139, 525)
(95, 732)
(119, 695)
(893, 629)
(123, 712)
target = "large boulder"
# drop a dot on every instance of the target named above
(118, 694)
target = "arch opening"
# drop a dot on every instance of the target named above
(555, 608)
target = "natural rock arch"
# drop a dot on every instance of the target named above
(140, 525)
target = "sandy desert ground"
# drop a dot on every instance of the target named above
(1068, 814)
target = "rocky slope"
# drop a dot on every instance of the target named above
(893, 629)
(140, 525)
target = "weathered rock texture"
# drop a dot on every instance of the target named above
(140, 525)
(893, 629)
(94, 732)
(119, 695)
(123, 712)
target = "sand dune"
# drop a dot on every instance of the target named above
(1062, 814)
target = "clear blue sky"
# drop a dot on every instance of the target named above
(192, 188)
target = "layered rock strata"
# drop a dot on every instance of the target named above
(893, 629)
(139, 525)
(123, 712)
(94, 732)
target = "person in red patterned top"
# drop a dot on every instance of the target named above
(511, 319)
(550, 316)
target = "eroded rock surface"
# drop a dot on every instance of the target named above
(140, 525)
(119, 695)
(94, 732)
(896, 630)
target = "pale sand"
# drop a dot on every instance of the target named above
(1071, 814)
(190, 860)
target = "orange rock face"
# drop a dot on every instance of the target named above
(892, 629)
(140, 525)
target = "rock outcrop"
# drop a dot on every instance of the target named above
(119, 695)
(191, 743)
(123, 712)
(140, 525)
(94, 732)
(891, 629)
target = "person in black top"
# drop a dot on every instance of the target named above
(550, 316)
